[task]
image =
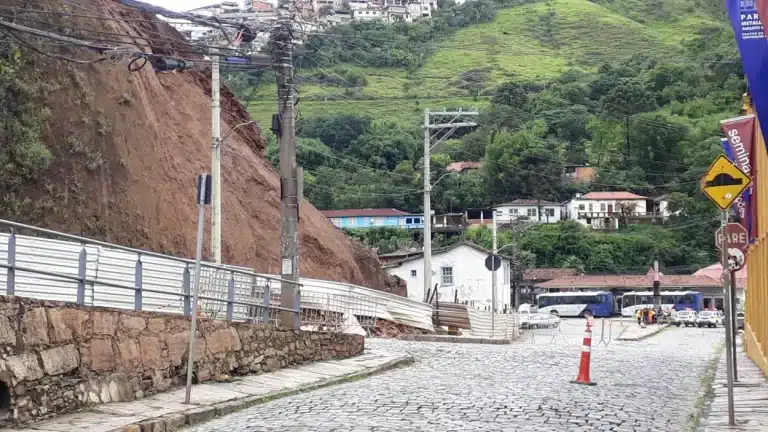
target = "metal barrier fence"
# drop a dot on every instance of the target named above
(95, 273)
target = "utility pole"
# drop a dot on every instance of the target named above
(656, 286)
(428, 146)
(728, 335)
(289, 193)
(494, 281)
(216, 158)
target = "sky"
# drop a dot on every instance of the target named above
(181, 5)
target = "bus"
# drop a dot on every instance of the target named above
(670, 300)
(576, 303)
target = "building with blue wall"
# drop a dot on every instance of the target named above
(374, 218)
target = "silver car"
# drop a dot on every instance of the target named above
(708, 318)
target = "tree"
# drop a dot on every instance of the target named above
(524, 164)
(628, 97)
(336, 131)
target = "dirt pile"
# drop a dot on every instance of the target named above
(127, 146)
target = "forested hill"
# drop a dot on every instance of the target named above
(633, 88)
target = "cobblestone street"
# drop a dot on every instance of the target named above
(650, 385)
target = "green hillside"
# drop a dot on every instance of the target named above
(535, 41)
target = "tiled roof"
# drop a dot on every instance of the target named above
(528, 202)
(715, 271)
(630, 281)
(461, 166)
(545, 274)
(363, 212)
(611, 196)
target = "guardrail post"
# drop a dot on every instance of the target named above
(267, 299)
(81, 267)
(297, 311)
(137, 284)
(230, 297)
(11, 275)
(186, 287)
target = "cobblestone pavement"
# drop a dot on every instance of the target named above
(650, 385)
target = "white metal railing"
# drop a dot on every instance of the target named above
(94, 273)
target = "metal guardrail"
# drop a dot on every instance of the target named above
(95, 273)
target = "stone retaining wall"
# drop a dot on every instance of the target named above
(58, 357)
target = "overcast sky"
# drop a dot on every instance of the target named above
(182, 5)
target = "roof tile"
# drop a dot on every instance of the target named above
(629, 281)
(612, 196)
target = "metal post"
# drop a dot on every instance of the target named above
(10, 288)
(289, 206)
(728, 342)
(734, 327)
(187, 288)
(215, 159)
(198, 258)
(267, 300)
(81, 267)
(137, 278)
(427, 235)
(230, 297)
(494, 282)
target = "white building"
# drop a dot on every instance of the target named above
(604, 210)
(529, 210)
(458, 269)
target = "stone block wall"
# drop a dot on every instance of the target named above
(58, 357)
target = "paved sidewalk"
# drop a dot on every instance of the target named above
(635, 333)
(750, 397)
(167, 412)
(455, 339)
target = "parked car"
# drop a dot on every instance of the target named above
(684, 317)
(709, 319)
(740, 320)
(530, 318)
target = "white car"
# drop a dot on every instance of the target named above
(530, 318)
(684, 317)
(709, 319)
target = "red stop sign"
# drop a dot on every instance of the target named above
(732, 235)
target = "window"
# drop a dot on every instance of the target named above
(378, 221)
(602, 207)
(413, 273)
(532, 212)
(513, 211)
(446, 275)
(581, 207)
(590, 207)
(409, 220)
(550, 212)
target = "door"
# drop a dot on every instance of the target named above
(610, 208)
(719, 303)
(707, 303)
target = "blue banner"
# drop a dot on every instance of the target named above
(753, 47)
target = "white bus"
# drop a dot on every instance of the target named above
(633, 301)
(575, 303)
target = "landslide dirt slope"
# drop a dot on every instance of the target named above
(127, 148)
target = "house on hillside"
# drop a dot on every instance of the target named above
(460, 167)
(529, 210)
(374, 218)
(458, 271)
(607, 210)
(579, 173)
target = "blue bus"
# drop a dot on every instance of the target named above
(576, 303)
(674, 300)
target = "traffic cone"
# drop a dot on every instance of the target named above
(586, 349)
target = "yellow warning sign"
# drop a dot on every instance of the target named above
(724, 182)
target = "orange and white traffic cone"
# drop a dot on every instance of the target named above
(586, 350)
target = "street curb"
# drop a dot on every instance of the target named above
(705, 392)
(661, 329)
(454, 339)
(177, 421)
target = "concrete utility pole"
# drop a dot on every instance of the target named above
(494, 281)
(216, 158)
(289, 188)
(428, 146)
(656, 286)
